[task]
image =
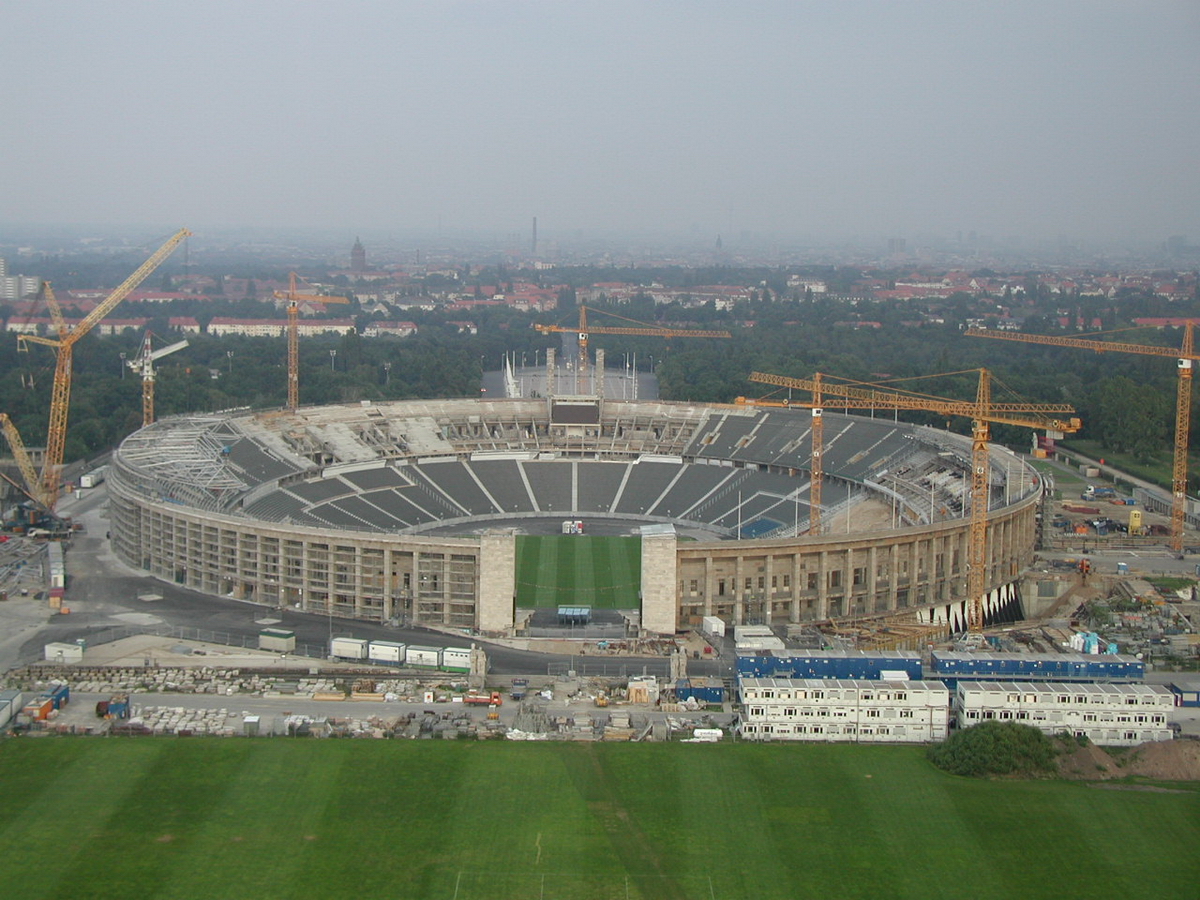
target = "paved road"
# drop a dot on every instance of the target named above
(102, 592)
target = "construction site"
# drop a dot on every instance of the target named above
(824, 516)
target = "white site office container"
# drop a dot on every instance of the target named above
(713, 625)
(751, 632)
(386, 651)
(456, 659)
(426, 657)
(280, 640)
(11, 703)
(348, 648)
(66, 653)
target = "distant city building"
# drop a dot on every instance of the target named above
(14, 287)
(401, 329)
(221, 325)
(358, 258)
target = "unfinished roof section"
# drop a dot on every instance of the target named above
(187, 459)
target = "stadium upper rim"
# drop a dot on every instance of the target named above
(410, 467)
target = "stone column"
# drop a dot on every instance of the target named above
(797, 587)
(710, 584)
(659, 562)
(497, 580)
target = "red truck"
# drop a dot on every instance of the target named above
(477, 699)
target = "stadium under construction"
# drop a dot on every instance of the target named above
(411, 511)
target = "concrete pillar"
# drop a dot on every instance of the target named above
(497, 579)
(893, 573)
(823, 585)
(659, 563)
(769, 591)
(710, 585)
(797, 586)
(739, 594)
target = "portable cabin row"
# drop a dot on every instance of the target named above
(888, 665)
(446, 659)
(951, 665)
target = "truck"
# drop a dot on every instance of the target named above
(1091, 492)
(93, 478)
(519, 687)
(116, 707)
(480, 698)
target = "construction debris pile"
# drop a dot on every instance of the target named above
(228, 682)
(1157, 623)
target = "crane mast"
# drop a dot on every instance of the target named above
(64, 345)
(983, 411)
(143, 364)
(33, 485)
(293, 298)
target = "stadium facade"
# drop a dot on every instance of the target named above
(410, 511)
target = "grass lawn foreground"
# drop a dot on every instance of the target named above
(268, 818)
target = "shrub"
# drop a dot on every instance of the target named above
(995, 748)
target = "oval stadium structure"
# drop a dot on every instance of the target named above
(415, 511)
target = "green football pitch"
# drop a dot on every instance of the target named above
(455, 820)
(578, 570)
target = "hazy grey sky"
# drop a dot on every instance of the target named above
(796, 118)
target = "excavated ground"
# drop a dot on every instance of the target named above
(1160, 760)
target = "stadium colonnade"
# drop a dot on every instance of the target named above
(410, 511)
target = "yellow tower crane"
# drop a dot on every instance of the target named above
(983, 412)
(64, 346)
(643, 328)
(1186, 357)
(294, 298)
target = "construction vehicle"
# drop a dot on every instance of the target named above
(28, 517)
(643, 328)
(1185, 359)
(143, 363)
(480, 698)
(294, 298)
(982, 411)
(46, 489)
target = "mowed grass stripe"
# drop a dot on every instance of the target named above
(61, 799)
(389, 830)
(171, 796)
(405, 819)
(271, 821)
